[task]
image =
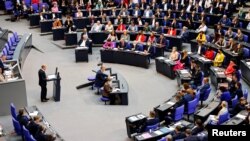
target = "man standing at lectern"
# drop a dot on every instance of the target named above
(43, 83)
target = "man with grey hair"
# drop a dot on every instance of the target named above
(184, 34)
(97, 27)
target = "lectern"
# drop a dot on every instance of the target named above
(56, 85)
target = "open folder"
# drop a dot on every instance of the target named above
(52, 76)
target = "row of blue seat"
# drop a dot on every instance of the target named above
(10, 46)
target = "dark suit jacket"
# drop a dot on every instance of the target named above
(42, 78)
(87, 43)
(197, 130)
(177, 136)
(191, 138)
(100, 78)
(68, 25)
(33, 128)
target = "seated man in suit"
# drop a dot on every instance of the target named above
(204, 87)
(84, 41)
(184, 34)
(101, 77)
(177, 134)
(199, 127)
(22, 118)
(148, 12)
(196, 77)
(136, 12)
(190, 137)
(42, 136)
(224, 94)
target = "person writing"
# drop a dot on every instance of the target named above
(43, 83)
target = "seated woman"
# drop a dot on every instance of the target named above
(57, 23)
(152, 119)
(221, 43)
(219, 58)
(109, 27)
(150, 44)
(108, 44)
(238, 91)
(174, 55)
(230, 69)
(121, 26)
(171, 31)
(79, 14)
(185, 60)
(139, 41)
(107, 88)
(215, 118)
(42, 136)
(112, 36)
(201, 37)
(209, 54)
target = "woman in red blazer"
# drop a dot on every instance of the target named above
(171, 31)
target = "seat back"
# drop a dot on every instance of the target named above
(208, 38)
(245, 53)
(197, 95)
(13, 110)
(152, 127)
(192, 106)
(240, 23)
(223, 118)
(245, 93)
(31, 138)
(17, 126)
(35, 6)
(8, 5)
(234, 101)
(206, 95)
(26, 133)
(162, 139)
(5, 51)
(179, 113)
(208, 20)
(245, 38)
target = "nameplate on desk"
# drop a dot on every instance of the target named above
(220, 73)
(141, 116)
(52, 76)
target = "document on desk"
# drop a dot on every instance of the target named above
(165, 130)
(184, 71)
(241, 116)
(146, 135)
(158, 132)
(132, 119)
(170, 103)
(248, 63)
(34, 113)
(116, 90)
(52, 76)
(220, 73)
(141, 116)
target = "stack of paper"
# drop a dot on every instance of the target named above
(51, 76)
(241, 116)
(170, 103)
(33, 113)
(133, 118)
(141, 116)
(158, 132)
(146, 135)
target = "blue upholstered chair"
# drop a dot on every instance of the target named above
(13, 111)
(234, 101)
(17, 126)
(245, 93)
(222, 118)
(8, 5)
(105, 100)
(205, 96)
(152, 127)
(5, 53)
(162, 139)
(191, 107)
(178, 115)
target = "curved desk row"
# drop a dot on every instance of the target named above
(133, 58)
(3, 38)
(23, 48)
(34, 111)
(13, 90)
(245, 70)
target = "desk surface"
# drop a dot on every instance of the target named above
(32, 111)
(219, 72)
(133, 58)
(237, 119)
(208, 109)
